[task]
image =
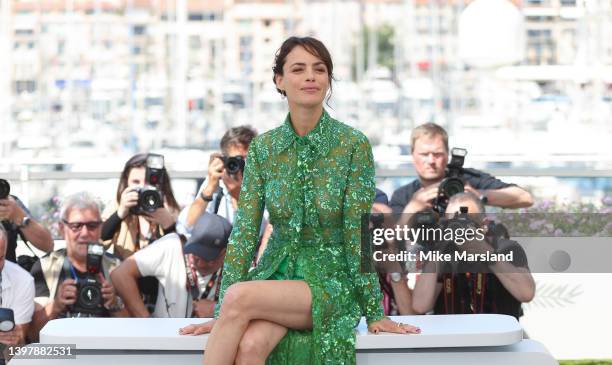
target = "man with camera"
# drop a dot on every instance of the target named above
(17, 220)
(16, 300)
(189, 271)
(73, 282)
(220, 192)
(462, 285)
(429, 143)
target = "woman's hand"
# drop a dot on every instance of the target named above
(129, 198)
(197, 329)
(387, 325)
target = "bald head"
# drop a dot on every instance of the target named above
(465, 199)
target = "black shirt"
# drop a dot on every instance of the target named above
(471, 293)
(476, 178)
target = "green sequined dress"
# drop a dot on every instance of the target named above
(315, 188)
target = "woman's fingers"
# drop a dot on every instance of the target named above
(393, 327)
(205, 328)
(187, 329)
(197, 329)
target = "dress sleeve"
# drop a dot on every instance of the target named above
(358, 201)
(245, 232)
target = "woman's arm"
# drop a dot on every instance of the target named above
(358, 199)
(110, 226)
(245, 233)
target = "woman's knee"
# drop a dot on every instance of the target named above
(236, 302)
(252, 349)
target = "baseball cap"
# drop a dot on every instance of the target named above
(209, 236)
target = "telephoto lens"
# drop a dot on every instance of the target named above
(5, 189)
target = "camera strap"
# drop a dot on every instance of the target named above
(192, 285)
(218, 198)
(475, 290)
(25, 241)
(69, 270)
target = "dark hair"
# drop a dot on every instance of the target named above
(242, 135)
(140, 160)
(314, 46)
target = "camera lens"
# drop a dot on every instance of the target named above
(7, 320)
(234, 164)
(453, 186)
(90, 295)
(5, 189)
(150, 200)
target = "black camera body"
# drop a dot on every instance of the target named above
(150, 196)
(89, 291)
(453, 182)
(5, 189)
(233, 164)
(149, 200)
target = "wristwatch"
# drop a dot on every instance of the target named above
(206, 198)
(396, 277)
(117, 306)
(24, 222)
(483, 198)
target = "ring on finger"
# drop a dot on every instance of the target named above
(399, 324)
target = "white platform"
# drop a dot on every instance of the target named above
(469, 339)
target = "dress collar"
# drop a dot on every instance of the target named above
(320, 138)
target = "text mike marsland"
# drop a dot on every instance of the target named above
(437, 256)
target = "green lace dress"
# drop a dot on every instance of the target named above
(315, 188)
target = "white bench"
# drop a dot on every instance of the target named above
(456, 339)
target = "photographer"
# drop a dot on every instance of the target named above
(487, 287)
(17, 220)
(60, 277)
(189, 271)
(128, 226)
(222, 186)
(220, 192)
(397, 296)
(16, 298)
(429, 143)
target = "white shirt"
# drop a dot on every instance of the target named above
(18, 292)
(226, 210)
(164, 259)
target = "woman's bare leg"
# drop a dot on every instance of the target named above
(284, 302)
(260, 338)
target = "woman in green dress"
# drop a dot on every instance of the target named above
(315, 176)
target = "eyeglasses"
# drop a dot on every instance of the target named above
(76, 226)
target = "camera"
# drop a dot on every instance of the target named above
(233, 164)
(150, 196)
(5, 189)
(7, 320)
(460, 220)
(453, 182)
(89, 291)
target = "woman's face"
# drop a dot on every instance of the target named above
(304, 79)
(136, 177)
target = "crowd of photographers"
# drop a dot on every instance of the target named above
(143, 256)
